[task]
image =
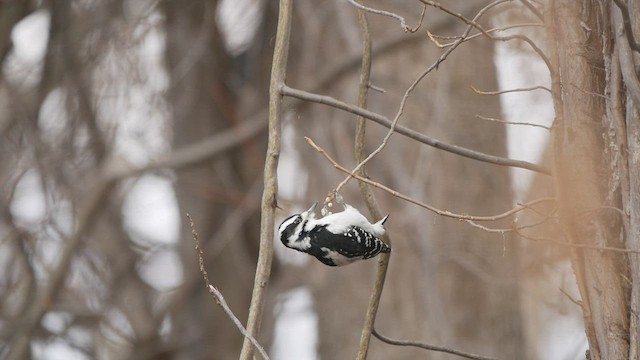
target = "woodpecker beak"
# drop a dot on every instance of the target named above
(312, 209)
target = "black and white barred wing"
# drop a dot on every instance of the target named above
(342, 249)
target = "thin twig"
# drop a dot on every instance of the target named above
(415, 83)
(429, 347)
(579, 246)
(384, 121)
(513, 122)
(433, 37)
(217, 295)
(376, 88)
(503, 28)
(220, 300)
(424, 10)
(327, 77)
(529, 42)
(511, 229)
(510, 90)
(473, 23)
(401, 19)
(577, 302)
(419, 203)
(468, 218)
(403, 23)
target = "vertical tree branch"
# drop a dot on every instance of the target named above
(365, 190)
(265, 257)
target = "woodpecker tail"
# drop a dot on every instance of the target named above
(384, 219)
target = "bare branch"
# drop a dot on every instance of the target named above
(433, 37)
(513, 228)
(419, 203)
(405, 97)
(513, 122)
(376, 88)
(527, 40)
(365, 190)
(217, 295)
(220, 300)
(401, 19)
(384, 121)
(327, 77)
(479, 92)
(424, 10)
(429, 347)
(473, 23)
(403, 23)
(269, 195)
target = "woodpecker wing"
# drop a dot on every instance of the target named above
(344, 248)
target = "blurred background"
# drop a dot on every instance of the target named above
(117, 117)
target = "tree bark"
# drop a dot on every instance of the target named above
(585, 174)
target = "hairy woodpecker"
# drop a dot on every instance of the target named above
(336, 239)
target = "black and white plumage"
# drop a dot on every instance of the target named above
(336, 239)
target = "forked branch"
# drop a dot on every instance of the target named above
(435, 210)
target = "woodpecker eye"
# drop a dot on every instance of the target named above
(289, 224)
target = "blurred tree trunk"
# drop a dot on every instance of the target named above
(471, 274)
(204, 103)
(596, 139)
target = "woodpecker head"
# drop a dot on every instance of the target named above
(292, 227)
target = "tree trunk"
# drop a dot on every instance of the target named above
(203, 104)
(591, 165)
